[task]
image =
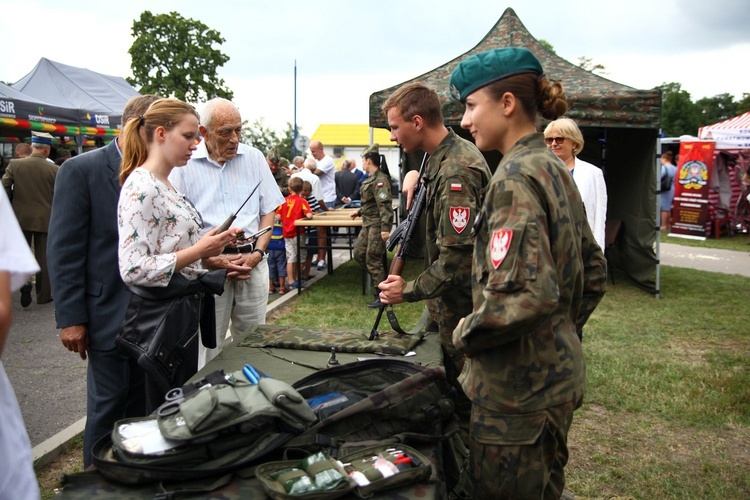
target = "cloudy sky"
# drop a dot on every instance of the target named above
(347, 49)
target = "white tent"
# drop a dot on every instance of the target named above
(730, 135)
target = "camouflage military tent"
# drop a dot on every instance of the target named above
(620, 125)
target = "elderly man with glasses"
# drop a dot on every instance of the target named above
(219, 177)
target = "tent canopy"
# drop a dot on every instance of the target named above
(593, 100)
(98, 98)
(15, 105)
(732, 134)
(620, 126)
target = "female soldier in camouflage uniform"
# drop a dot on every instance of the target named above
(376, 210)
(538, 274)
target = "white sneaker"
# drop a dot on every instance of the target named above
(321, 265)
(314, 259)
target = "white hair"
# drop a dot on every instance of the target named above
(310, 162)
(210, 107)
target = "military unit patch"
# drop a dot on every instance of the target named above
(459, 218)
(499, 246)
(456, 186)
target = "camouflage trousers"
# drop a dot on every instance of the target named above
(369, 250)
(519, 455)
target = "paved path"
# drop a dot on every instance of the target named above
(706, 259)
(50, 382)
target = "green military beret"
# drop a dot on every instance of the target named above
(484, 68)
(374, 148)
(283, 162)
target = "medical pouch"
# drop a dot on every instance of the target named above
(364, 473)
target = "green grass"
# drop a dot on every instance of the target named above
(667, 408)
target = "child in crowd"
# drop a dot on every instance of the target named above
(312, 234)
(277, 257)
(293, 209)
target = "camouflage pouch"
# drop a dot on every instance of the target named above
(211, 432)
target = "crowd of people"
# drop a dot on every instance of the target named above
(151, 279)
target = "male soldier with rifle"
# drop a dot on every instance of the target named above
(455, 179)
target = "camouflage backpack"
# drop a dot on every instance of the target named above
(224, 431)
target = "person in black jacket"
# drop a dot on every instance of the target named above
(90, 297)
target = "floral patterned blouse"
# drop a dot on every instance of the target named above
(155, 221)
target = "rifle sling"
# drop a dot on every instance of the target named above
(391, 314)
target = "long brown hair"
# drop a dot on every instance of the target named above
(139, 132)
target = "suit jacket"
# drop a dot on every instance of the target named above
(590, 182)
(82, 246)
(347, 186)
(33, 181)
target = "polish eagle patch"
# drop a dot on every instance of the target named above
(459, 218)
(499, 246)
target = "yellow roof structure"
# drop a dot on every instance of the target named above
(334, 134)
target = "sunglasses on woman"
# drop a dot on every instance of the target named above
(557, 140)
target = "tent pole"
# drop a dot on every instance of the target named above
(657, 226)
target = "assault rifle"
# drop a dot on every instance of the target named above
(403, 236)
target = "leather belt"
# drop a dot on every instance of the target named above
(235, 250)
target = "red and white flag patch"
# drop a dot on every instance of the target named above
(456, 186)
(499, 246)
(459, 218)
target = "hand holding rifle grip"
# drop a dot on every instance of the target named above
(402, 236)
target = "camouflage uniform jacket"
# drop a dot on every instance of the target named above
(376, 205)
(456, 177)
(538, 275)
(282, 180)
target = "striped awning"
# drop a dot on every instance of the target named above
(733, 133)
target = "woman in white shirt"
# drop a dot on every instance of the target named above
(159, 240)
(564, 138)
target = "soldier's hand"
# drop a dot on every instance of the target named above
(385, 235)
(409, 183)
(76, 339)
(392, 289)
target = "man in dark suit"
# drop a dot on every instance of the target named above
(32, 180)
(90, 297)
(347, 183)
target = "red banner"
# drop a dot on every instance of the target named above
(690, 207)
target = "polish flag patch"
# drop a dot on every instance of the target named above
(380, 184)
(499, 246)
(459, 218)
(456, 186)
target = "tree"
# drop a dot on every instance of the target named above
(717, 108)
(261, 136)
(588, 64)
(744, 105)
(174, 56)
(679, 115)
(547, 45)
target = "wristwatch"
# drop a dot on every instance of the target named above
(261, 252)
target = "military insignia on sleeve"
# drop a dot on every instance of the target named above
(382, 196)
(456, 186)
(380, 184)
(459, 218)
(499, 246)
